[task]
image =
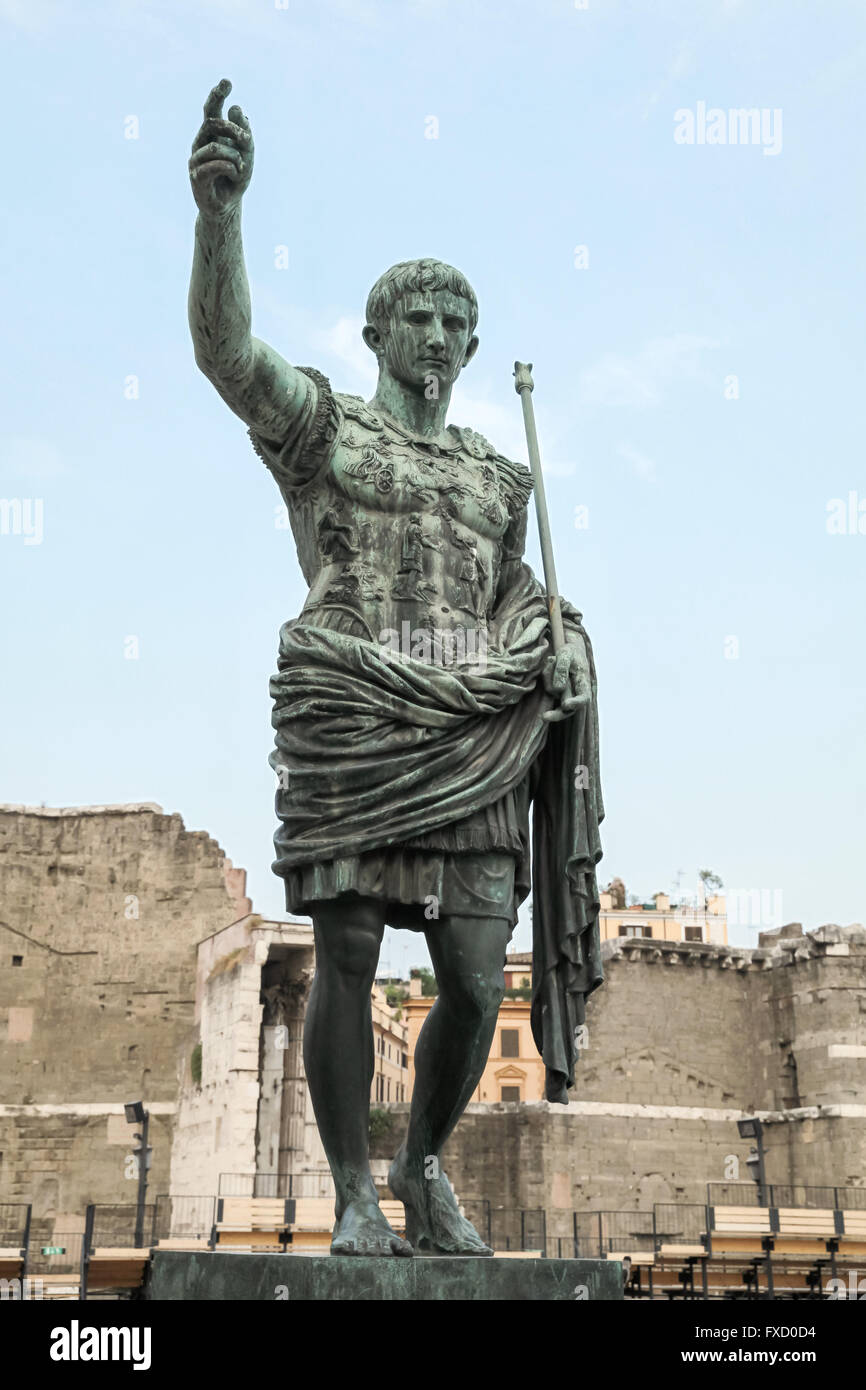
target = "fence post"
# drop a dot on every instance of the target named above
(26, 1241)
(86, 1241)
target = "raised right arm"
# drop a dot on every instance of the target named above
(259, 385)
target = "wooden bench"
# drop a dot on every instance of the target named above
(741, 1221)
(254, 1223)
(184, 1243)
(11, 1261)
(854, 1223)
(815, 1222)
(56, 1287)
(116, 1267)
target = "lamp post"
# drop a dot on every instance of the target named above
(753, 1129)
(137, 1115)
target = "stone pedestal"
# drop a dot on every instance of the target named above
(194, 1277)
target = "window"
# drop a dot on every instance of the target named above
(405, 1056)
(693, 934)
(510, 1042)
(637, 931)
(511, 1093)
(17, 960)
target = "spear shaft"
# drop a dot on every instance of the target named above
(523, 385)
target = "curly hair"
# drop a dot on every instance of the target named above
(408, 276)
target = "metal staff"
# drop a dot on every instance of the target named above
(523, 385)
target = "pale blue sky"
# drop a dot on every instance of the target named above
(707, 515)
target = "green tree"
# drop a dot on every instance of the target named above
(429, 987)
(712, 883)
(381, 1124)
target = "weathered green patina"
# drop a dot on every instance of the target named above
(186, 1277)
(418, 706)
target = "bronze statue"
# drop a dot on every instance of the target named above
(405, 784)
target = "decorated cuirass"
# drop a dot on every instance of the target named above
(394, 529)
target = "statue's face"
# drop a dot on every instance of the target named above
(428, 335)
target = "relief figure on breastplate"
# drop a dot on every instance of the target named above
(410, 583)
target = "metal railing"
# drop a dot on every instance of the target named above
(517, 1229)
(676, 1223)
(114, 1224)
(59, 1253)
(748, 1194)
(276, 1185)
(600, 1233)
(507, 1228)
(15, 1225)
(183, 1218)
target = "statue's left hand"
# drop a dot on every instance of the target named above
(567, 678)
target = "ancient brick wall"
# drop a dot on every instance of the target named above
(683, 1040)
(101, 909)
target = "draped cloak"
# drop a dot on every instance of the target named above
(375, 749)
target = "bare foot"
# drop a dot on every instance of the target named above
(363, 1230)
(434, 1224)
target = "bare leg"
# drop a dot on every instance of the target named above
(468, 956)
(338, 1060)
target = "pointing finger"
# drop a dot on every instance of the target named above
(214, 104)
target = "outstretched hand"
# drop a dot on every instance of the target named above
(221, 165)
(567, 678)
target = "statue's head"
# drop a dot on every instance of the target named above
(421, 318)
